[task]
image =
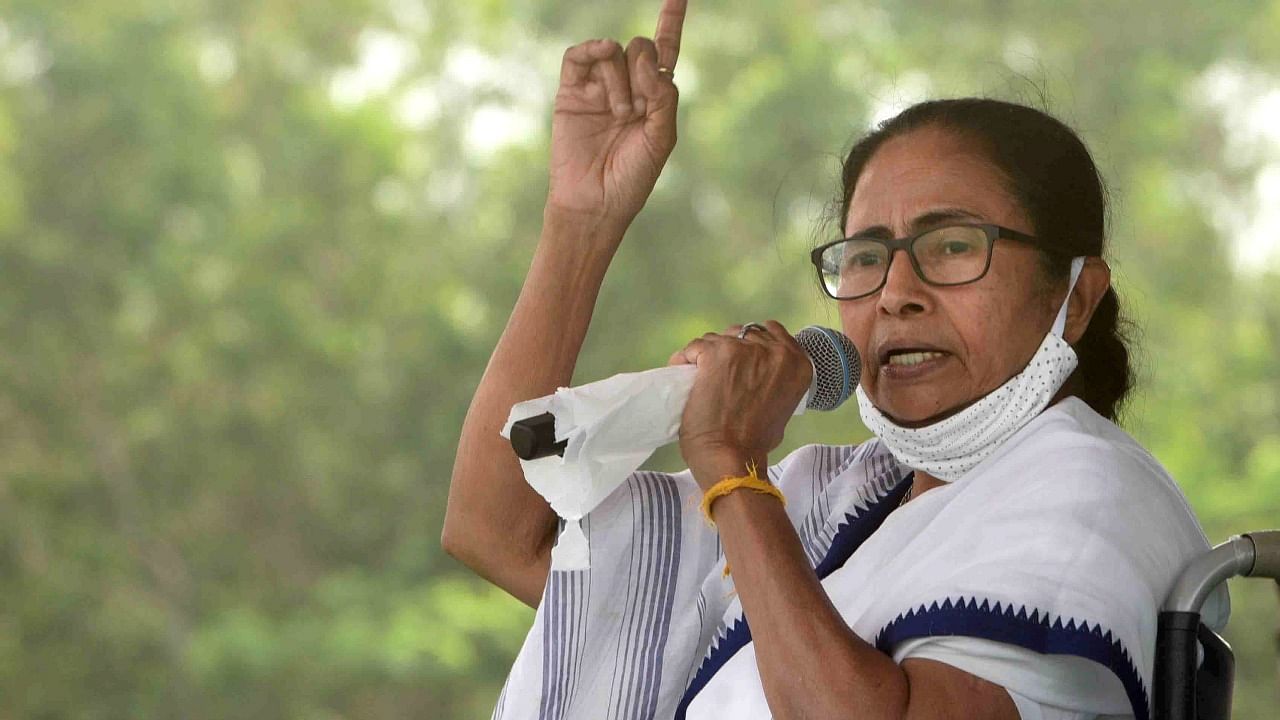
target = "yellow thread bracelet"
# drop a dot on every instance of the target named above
(750, 481)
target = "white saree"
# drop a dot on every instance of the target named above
(1059, 546)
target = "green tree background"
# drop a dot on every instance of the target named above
(254, 256)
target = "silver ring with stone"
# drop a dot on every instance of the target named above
(749, 327)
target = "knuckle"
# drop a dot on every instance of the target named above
(580, 51)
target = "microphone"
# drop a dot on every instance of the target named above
(837, 367)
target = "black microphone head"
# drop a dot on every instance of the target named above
(837, 367)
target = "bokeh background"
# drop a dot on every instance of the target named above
(254, 256)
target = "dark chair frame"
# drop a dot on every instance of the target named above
(1195, 668)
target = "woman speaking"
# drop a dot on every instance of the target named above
(999, 549)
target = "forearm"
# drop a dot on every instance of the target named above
(494, 519)
(811, 664)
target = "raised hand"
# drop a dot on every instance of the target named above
(615, 122)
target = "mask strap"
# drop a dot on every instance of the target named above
(1060, 323)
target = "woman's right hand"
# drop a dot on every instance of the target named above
(614, 123)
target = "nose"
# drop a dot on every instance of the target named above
(904, 293)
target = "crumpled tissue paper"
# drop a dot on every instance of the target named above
(612, 426)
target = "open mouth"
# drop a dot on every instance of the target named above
(910, 357)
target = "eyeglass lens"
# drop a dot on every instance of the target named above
(946, 256)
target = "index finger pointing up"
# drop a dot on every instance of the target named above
(667, 36)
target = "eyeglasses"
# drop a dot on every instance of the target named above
(858, 266)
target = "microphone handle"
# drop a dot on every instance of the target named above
(535, 437)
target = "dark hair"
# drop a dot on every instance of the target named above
(1049, 172)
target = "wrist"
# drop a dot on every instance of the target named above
(710, 468)
(576, 227)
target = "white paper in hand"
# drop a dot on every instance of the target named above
(612, 426)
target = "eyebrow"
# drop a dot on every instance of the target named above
(929, 219)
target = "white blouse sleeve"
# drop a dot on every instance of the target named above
(1068, 687)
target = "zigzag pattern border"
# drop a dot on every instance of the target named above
(1034, 631)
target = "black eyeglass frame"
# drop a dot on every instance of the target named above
(994, 232)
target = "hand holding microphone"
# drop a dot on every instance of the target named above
(726, 398)
(749, 382)
(830, 375)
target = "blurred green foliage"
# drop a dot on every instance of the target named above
(255, 256)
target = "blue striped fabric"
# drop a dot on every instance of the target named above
(562, 641)
(651, 580)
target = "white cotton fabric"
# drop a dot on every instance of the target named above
(1070, 523)
(952, 447)
(1062, 681)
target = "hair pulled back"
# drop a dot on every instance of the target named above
(1049, 172)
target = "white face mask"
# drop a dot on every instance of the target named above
(950, 448)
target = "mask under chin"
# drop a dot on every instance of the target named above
(948, 444)
(939, 417)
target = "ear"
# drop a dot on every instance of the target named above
(1095, 278)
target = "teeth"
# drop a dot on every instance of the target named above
(914, 358)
